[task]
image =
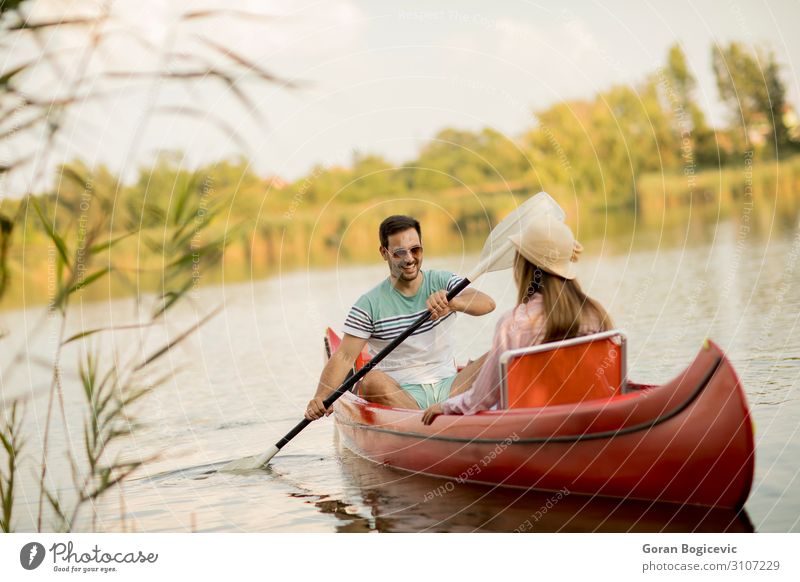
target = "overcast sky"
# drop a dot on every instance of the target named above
(385, 76)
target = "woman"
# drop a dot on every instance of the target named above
(551, 307)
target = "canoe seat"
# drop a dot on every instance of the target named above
(574, 370)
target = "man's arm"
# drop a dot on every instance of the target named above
(469, 301)
(472, 302)
(334, 373)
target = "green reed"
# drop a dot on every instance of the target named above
(73, 238)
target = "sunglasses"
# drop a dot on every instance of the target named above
(401, 253)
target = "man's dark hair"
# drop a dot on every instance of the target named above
(397, 223)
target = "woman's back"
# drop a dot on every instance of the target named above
(523, 326)
(551, 307)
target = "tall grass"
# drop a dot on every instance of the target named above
(767, 188)
(81, 236)
(13, 446)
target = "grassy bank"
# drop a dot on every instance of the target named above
(265, 232)
(762, 190)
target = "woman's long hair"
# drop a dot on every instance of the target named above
(566, 306)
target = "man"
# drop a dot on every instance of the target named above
(421, 371)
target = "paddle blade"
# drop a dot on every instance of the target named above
(498, 252)
(251, 463)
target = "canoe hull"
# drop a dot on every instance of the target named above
(689, 441)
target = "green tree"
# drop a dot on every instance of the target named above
(690, 118)
(600, 147)
(461, 157)
(373, 178)
(447, 161)
(750, 84)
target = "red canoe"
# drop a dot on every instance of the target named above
(688, 441)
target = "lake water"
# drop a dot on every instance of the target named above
(243, 380)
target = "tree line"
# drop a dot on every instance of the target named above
(598, 152)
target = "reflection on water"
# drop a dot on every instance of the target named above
(244, 380)
(357, 495)
(399, 502)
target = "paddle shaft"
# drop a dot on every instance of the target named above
(351, 381)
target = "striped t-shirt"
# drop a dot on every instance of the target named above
(383, 313)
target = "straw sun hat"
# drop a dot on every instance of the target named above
(549, 244)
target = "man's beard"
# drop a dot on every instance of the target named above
(406, 276)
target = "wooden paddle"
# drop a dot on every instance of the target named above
(497, 254)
